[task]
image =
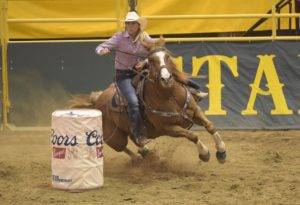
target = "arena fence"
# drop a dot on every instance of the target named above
(4, 32)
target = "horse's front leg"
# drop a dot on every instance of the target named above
(177, 131)
(201, 119)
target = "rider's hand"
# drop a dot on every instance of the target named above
(103, 51)
(140, 65)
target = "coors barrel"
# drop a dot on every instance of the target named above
(77, 149)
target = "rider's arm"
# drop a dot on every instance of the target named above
(148, 39)
(108, 45)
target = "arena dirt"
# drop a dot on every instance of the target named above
(263, 167)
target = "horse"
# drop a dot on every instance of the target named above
(167, 107)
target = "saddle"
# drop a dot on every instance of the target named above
(118, 102)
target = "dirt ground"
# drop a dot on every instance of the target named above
(263, 167)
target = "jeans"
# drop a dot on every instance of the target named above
(124, 82)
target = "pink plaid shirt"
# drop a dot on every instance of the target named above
(122, 41)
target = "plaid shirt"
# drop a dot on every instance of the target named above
(121, 41)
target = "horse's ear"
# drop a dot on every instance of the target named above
(161, 41)
(152, 45)
(147, 45)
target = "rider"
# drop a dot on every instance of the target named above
(130, 53)
(129, 41)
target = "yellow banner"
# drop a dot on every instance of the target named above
(36, 9)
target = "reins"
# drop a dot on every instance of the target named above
(132, 54)
(181, 113)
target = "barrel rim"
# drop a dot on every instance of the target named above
(77, 113)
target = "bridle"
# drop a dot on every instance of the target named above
(179, 113)
(157, 75)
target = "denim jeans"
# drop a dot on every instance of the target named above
(124, 82)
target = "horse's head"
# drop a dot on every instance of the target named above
(161, 67)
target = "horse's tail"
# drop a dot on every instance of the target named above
(85, 100)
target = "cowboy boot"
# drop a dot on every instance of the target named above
(201, 95)
(198, 95)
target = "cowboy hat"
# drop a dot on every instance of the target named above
(133, 16)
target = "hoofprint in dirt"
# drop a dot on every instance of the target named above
(263, 167)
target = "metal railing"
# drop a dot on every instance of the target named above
(280, 5)
(274, 16)
(4, 45)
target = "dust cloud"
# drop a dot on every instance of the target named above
(34, 98)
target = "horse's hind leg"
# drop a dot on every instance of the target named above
(116, 138)
(177, 131)
(201, 119)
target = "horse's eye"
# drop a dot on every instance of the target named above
(152, 60)
(168, 59)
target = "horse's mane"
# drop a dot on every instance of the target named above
(180, 76)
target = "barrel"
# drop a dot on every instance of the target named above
(77, 149)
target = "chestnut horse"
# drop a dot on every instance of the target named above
(168, 108)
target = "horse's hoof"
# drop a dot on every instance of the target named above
(221, 156)
(205, 158)
(144, 152)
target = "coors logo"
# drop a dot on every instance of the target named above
(92, 138)
(63, 140)
(59, 153)
(99, 151)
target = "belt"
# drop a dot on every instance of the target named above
(124, 74)
(125, 71)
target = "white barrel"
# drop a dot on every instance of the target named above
(77, 149)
